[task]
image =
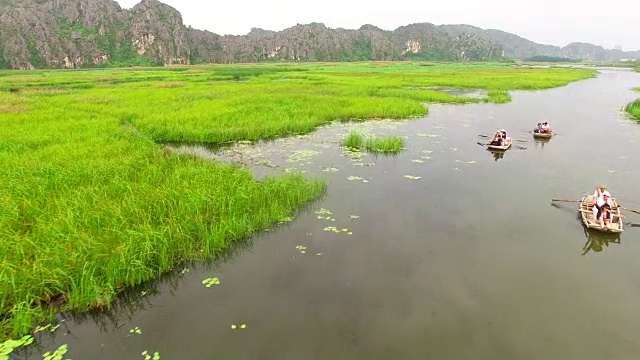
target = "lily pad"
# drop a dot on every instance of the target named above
(332, 229)
(211, 281)
(324, 211)
(147, 355)
(302, 155)
(8, 346)
(57, 354)
(413, 177)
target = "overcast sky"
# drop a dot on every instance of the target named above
(555, 22)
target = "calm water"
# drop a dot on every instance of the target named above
(471, 261)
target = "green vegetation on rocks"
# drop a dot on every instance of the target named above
(91, 205)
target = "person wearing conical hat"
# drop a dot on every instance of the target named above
(601, 190)
(602, 200)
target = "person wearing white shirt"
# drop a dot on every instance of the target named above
(597, 209)
(600, 191)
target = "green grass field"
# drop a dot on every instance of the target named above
(91, 205)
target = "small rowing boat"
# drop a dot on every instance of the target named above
(544, 135)
(586, 212)
(500, 147)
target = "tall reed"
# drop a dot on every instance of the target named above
(633, 108)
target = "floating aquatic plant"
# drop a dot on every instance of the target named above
(417, 161)
(352, 178)
(135, 330)
(51, 327)
(302, 155)
(324, 211)
(302, 249)
(147, 355)
(9, 345)
(211, 281)
(413, 177)
(57, 354)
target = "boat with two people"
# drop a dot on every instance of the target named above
(599, 211)
(543, 131)
(500, 141)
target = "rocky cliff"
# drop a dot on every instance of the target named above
(85, 33)
(91, 33)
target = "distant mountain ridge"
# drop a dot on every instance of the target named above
(90, 33)
(520, 48)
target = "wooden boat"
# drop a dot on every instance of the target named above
(546, 135)
(586, 212)
(500, 147)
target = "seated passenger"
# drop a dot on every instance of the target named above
(497, 139)
(602, 203)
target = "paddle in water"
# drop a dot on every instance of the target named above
(633, 211)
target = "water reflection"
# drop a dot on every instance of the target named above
(597, 241)
(497, 154)
(540, 142)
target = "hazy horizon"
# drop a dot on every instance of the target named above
(545, 21)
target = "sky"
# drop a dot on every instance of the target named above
(553, 22)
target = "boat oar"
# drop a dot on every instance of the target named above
(565, 200)
(633, 211)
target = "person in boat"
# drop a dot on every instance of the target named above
(545, 128)
(504, 135)
(497, 139)
(537, 129)
(604, 215)
(602, 205)
(601, 191)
